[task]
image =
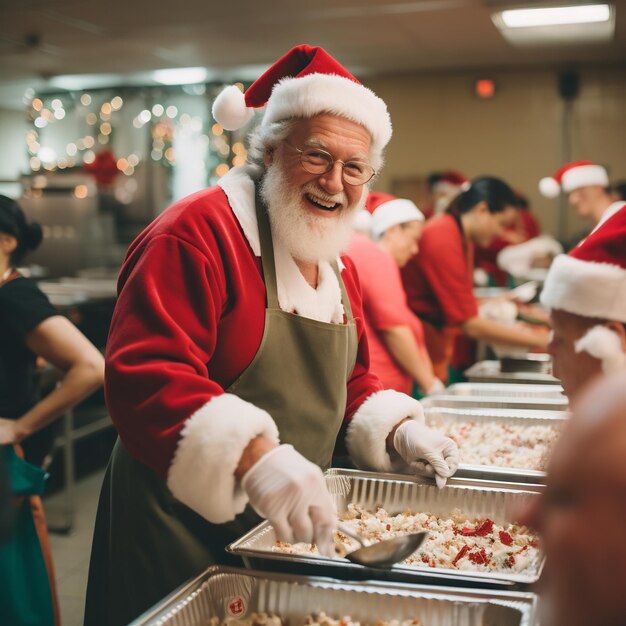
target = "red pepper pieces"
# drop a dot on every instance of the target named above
(480, 531)
(480, 557)
(505, 538)
(462, 552)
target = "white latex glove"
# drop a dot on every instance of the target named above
(426, 451)
(436, 387)
(290, 492)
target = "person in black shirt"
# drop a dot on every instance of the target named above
(31, 327)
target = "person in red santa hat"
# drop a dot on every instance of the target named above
(398, 355)
(586, 292)
(587, 186)
(443, 187)
(439, 279)
(237, 348)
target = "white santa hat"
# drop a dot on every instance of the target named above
(387, 211)
(303, 83)
(573, 176)
(591, 281)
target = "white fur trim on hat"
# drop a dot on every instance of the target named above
(229, 108)
(584, 176)
(549, 188)
(586, 288)
(398, 211)
(603, 344)
(202, 473)
(311, 95)
(366, 438)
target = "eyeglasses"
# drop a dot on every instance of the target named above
(316, 161)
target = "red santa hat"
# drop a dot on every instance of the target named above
(591, 281)
(572, 176)
(451, 181)
(303, 83)
(387, 211)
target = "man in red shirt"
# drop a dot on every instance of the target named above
(587, 187)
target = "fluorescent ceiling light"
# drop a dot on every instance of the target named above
(180, 76)
(556, 16)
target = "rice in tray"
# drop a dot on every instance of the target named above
(315, 619)
(502, 444)
(455, 542)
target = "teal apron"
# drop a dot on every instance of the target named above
(146, 543)
(25, 596)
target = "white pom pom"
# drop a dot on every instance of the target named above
(362, 221)
(230, 110)
(549, 187)
(603, 344)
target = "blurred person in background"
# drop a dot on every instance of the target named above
(442, 188)
(618, 191)
(439, 279)
(237, 349)
(31, 327)
(585, 291)
(587, 187)
(398, 355)
(524, 228)
(581, 515)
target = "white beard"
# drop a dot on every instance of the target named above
(308, 237)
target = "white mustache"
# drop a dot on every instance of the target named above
(338, 198)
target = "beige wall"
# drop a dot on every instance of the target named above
(439, 123)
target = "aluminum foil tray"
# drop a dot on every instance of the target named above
(397, 493)
(440, 416)
(496, 402)
(490, 372)
(508, 390)
(231, 595)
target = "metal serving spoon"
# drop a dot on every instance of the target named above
(385, 553)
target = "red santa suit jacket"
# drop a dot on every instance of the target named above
(188, 322)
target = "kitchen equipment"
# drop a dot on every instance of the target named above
(397, 493)
(226, 595)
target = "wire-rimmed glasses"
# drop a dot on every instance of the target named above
(318, 161)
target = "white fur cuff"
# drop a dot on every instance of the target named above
(603, 344)
(202, 473)
(372, 423)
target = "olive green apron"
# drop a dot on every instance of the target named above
(146, 542)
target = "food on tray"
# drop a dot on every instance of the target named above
(454, 542)
(256, 619)
(321, 619)
(501, 444)
(315, 619)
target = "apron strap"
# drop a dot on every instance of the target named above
(267, 252)
(269, 264)
(345, 300)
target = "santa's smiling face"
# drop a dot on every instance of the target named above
(312, 213)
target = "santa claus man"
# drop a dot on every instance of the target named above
(586, 292)
(237, 348)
